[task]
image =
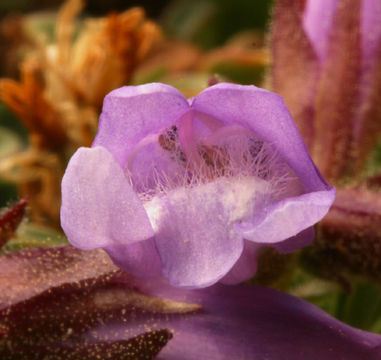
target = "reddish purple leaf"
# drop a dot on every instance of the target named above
(63, 313)
(374, 181)
(58, 294)
(10, 221)
(142, 347)
(29, 272)
(235, 322)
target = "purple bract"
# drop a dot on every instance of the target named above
(192, 189)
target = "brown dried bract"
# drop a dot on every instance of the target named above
(27, 101)
(108, 51)
(60, 94)
(38, 174)
(13, 41)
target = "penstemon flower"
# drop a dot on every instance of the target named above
(346, 36)
(326, 57)
(321, 19)
(192, 189)
(327, 65)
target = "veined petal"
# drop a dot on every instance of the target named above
(133, 112)
(265, 114)
(99, 207)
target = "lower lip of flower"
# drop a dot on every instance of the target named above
(238, 197)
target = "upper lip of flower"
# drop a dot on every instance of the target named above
(199, 236)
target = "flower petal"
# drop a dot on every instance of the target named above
(303, 239)
(133, 112)
(152, 166)
(99, 207)
(371, 28)
(265, 114)
(367, 120)
(317, 20)
(288, 217)
(194, 237)
(245, 267)
(140, 258)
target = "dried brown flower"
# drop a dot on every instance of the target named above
(60, 93)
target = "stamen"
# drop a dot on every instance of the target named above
(168, 139)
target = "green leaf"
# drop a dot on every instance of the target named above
(362, 308)
(10, 143)
(373, 165)
(32, 235)
(322, 293)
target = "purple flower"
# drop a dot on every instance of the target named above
(321, 17)
(192, 189)
(327, 66)
(327, 61)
